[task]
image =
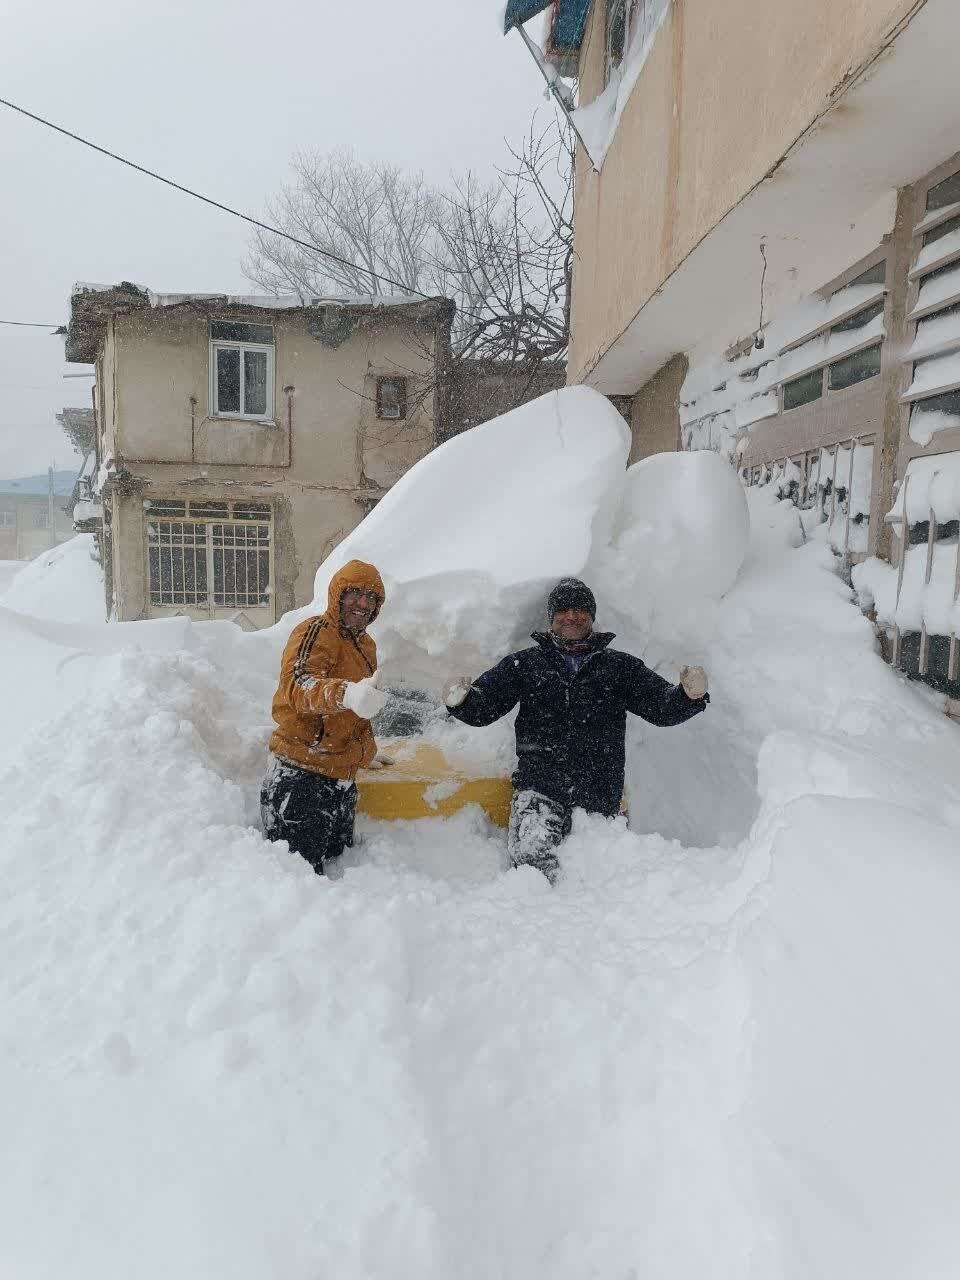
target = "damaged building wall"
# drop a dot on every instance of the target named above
(318, 464)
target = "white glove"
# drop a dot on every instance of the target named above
(455, 690)
(363, 697)
(380, 762)
(694, 682)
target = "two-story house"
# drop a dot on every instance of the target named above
(240, 438)
(767, 251)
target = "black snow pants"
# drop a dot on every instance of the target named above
(313, 813)
(537, 825)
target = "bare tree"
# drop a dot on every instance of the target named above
(500, 248)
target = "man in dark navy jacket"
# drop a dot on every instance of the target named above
(574, 693)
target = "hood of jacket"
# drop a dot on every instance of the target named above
(355, 573)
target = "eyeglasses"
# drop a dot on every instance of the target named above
(360, 593)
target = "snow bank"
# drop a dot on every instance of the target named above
(721, 1047)
(65, 583)
(472, 538)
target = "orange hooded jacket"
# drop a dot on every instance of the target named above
(314, 731)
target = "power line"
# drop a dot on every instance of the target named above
(30, 324)
(216, 204)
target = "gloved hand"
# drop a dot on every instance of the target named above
(380, 762)
(693, 680)
(363, 697)
(455, 690)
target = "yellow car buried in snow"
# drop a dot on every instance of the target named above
(422, 779)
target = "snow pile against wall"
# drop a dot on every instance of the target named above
(65, 583)
(719, 1048)
(473, 537)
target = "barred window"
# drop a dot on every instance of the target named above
(177, 551)
(218, 557)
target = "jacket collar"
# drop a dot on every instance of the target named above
(599, 640)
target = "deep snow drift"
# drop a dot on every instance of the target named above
(729, 1057)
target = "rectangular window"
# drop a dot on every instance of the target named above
(8, 519)
(41, 518)
(217, 558)
(856, 368)
(944, 229)
(876, 274)
(391, 398)
(859, 319)
(803, 390)
(177, 552)
(242, 369)
(944, 193)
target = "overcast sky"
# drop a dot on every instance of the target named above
(218, 96)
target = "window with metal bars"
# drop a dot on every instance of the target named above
(217, 557)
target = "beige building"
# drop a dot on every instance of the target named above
(240, 439)
(34, 513)
(767, 250)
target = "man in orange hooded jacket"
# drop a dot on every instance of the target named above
(323, 706)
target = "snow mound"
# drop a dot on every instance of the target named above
(471, 539)
(65, 583)
(684, 524)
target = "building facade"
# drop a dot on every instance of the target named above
(240, 439)
(34, 514)
(767, 259)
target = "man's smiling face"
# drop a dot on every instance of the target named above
(357, 607)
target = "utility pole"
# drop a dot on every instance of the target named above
(51, 511)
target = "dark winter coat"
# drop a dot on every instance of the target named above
(570, 728)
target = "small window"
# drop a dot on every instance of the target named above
(8, 519)
(859, 319)
(856, 368)
(944, 229)
(242, 365)
(391, 398)
(803, 390)
(41, 518)
(876, 274)
(944, 193)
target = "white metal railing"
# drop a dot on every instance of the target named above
(817, 474)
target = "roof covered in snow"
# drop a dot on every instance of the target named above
(36, 486)
(91, 305)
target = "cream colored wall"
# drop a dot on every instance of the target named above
(726, 90)
(654, 413)
(325, 449)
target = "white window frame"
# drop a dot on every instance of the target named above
(223, 344)
(8, 519)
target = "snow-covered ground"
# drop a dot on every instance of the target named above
(723, 1046)
(65, 583)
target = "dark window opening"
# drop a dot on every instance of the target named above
(944, 193)
(391, 398)
(856, 368)
(803, 390)
(876, 274)
(944, 229)
(859, 318)
(236, 331)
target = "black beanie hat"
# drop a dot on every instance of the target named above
(571, 593)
